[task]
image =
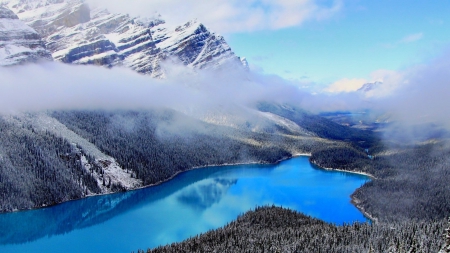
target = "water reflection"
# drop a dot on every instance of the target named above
(205, 194)
(191, 203)
(26, 226)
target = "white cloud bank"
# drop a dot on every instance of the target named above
(53, 86)
(417, 95)
(346, 85)
(230, 16)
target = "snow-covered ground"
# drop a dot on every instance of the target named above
(71, 30)
(112, 170)
(19, 42)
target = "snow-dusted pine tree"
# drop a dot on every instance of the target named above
(446, 247)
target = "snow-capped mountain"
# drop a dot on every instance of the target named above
(19, 43)
(76, 33)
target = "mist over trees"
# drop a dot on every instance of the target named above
(409, 190)
(157, 144)
(40, 168)
(408, 198)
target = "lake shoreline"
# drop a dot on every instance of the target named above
(354, 201)
(161, 182)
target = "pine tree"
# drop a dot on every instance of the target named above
(446, 247)
(370, 249)
(392, 247)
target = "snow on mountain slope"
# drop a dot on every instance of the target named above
(19, 43)
(74, 33)
(111, 169)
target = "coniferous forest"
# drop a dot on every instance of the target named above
(274, 229)
(407, 197)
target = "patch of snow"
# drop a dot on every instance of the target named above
(9, 50)
(112, 170)
(94, 57)
(292, 126)
(12, 26)
(179, 34)
(141, 42)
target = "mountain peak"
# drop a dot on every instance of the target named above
(76, 34)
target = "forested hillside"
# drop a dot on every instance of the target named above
(64, 155)
(274, 229)
(157, 144)
(39, 169)
(39, 166)
(412, 179)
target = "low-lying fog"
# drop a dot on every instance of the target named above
(416, 95)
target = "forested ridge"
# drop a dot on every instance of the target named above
(411, 179)
(39, 169)
(274, 229)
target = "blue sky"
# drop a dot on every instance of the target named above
(360, 38)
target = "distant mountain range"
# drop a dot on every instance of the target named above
(75, 33)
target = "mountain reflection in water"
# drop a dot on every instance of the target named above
(204, 195)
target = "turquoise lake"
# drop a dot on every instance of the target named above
(191, 203)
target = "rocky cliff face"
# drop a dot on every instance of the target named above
(19, 43)
(77, 34)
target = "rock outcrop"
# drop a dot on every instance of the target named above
(77, 34)
(19, 43)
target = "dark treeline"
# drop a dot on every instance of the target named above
(157, 144)
(412, 180)
(417, 186)
(38, 169)
(273, 229)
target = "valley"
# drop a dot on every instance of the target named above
(108, 120)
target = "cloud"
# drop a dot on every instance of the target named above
(390, 81)
(346, 85)
(423, 95)
(414, 96)
(230, 16)
(412, 38)
(54, 86)
(405, 40)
